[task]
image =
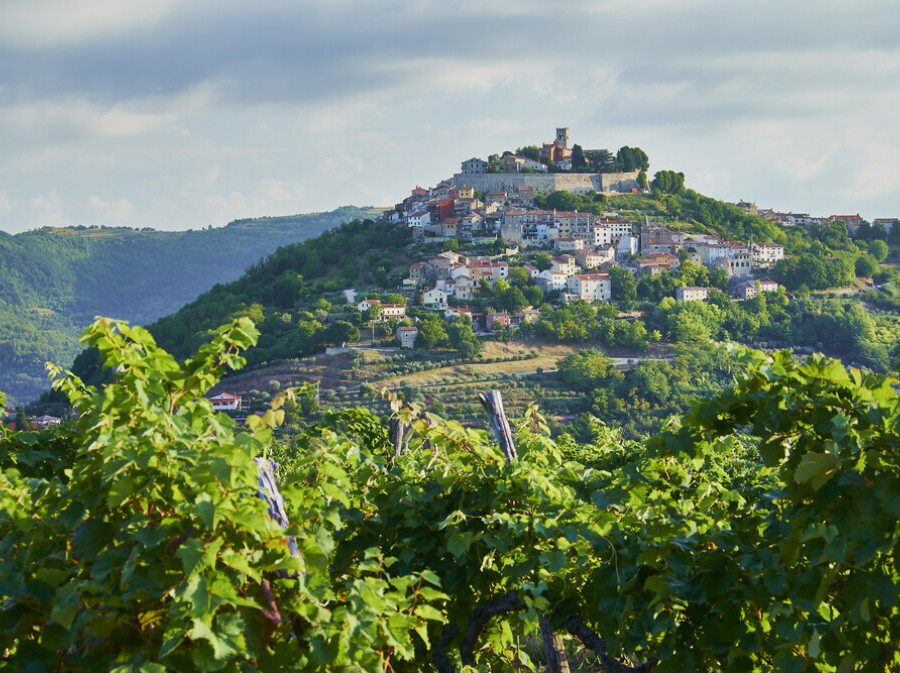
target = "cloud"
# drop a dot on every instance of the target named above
(6, 204)
(48, 210)
(201, 111)
(40, 24)
(113, 212)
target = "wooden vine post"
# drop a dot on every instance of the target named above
(554, 650)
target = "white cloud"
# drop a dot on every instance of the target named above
(48, 210)
(6, 204)
(119, 212)
(36, 24)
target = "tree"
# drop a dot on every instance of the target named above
(588, 369)
(631, 159)
(542, 261)
(303, 404)
(878, 249)
(518, 276)
(866, 265)
(461, 337)
(339, 332)
(602, 161)
(529, 152)
(668, 182)
(431, 334)
(642, 180)
(579, 162)
(622, 285)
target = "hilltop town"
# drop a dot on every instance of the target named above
(500, 199)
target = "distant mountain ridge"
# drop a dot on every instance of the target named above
(55, 280)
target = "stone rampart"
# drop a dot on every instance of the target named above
(577, 183)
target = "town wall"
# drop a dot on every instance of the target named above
(577, 183)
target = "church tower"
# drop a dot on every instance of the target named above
(562, 136)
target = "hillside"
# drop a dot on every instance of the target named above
(297, 298)
(55, 280)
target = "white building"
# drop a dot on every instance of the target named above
(226, 402)
(420, 218)
(435, 299)
(550, 280)
(692, 293)
(590, 287)
(767, 254)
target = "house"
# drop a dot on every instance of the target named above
(407, 336)
(628, 245)
(226, 402)
(495, 197)
(551, 280)
(600, 235)
(419, 219)
(766, 254)
(529, 315)
(568, 244)
(389, 311)
(735, 265)
(526, 195)
(564, 264)
(435, 299)
(514, 164)
(692, 293)
(440, 209)
(588, 259)
(750, 288)
(46, 421)
(446, 260)
(497, 321)
(366, 304)
(454, 312)
(467, 193)
(617, 227)
(450, 227)
(488, 270)
(665, 260)
(646, 267)
(590, 287)
(464, 288)
(474, 166)
(419, 271)
(408, 286)
(532, 270)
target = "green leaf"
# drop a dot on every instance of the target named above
(815, 468)
(205, 510)
(191, 554)
(459, 543)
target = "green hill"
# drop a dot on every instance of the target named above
(55, 280)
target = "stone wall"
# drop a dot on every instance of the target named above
(577, 183)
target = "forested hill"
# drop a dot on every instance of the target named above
(55, 280)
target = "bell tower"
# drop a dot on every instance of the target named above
(562, 136)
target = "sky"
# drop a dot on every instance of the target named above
(178, 115)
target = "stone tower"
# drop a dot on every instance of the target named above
(562, 136)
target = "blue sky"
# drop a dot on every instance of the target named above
(186, 114)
